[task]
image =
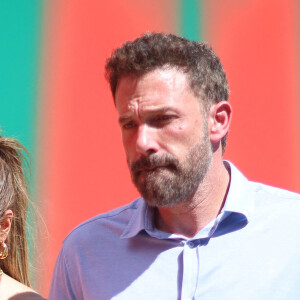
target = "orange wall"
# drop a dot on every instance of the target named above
(257, 43)
(83, 168)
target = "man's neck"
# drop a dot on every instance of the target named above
(189, 217)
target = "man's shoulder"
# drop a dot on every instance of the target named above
(275, 193)
(277, 203)
(244, 187)
(109, 223)
(259, 199)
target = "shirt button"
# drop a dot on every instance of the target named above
(191, 245)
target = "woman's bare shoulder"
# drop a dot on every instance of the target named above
(10, 289)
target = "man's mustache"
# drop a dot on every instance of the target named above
(154, 161)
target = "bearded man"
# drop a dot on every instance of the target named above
(201, 230)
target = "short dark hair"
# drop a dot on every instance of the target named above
(205, 72)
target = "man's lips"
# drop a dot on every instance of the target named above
(149, 169)
(153, 163)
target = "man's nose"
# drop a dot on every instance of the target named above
(146, 141)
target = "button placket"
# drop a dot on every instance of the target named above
(190, 270)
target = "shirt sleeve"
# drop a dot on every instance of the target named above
(64, 285)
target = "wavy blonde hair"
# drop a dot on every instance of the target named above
(14, 196)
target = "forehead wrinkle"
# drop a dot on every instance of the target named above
(131, 109)
(154, 109)
(150, 110)
(141, 98)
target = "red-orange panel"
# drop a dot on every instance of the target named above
(83, 168)
(257, 42)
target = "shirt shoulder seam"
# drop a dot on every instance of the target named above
(109, 214)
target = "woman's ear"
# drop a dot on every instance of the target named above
(5, 224)
(219, 120)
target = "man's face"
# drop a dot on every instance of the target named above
(165, 135)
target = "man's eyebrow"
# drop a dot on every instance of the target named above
(123, 119)
(160, 110)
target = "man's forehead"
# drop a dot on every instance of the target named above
(160, 79)
(144, 105)
(158, 91)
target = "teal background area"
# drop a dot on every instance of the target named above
(190, 19)
(20, 29)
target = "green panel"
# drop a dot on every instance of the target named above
(190, 19)
(20, 28)
(19, 31)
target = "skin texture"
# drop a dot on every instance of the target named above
(160, 116)
(6, 223)
(10, 288)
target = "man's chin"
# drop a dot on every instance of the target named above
(161, 202)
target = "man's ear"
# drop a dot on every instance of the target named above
(219, 120)
(5, 224)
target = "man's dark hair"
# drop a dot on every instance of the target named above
(207, 78)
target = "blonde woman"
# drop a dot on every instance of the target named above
(14, 278)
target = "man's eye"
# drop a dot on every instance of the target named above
(128, 125)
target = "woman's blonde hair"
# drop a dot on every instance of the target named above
(14, 196)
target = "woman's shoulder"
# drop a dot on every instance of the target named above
(11, 289)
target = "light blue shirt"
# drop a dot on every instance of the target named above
(251, 251)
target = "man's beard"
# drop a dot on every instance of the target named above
(172, 181)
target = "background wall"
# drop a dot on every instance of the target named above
(55, 100)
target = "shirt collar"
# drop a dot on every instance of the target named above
(141, 216)
(240, 194)
(238, 202)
